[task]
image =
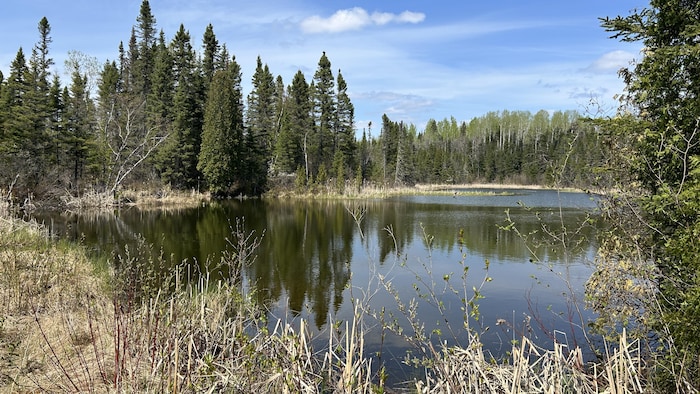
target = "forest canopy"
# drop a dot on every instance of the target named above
(166, 114)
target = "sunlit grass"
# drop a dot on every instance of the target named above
(373, 191)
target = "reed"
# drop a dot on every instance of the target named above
(64, 329)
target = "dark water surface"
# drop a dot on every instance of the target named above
(315, 258)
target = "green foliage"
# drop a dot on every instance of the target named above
(657, 170)
(291, 146)
(177, 160)
(261, 114)
(211, 52)
(345, 127)
(321, 176)
(339, 171)
(515, 147)
(78, 133)
(142, 49)
(146, 126)
(321, 142)
(222, 134)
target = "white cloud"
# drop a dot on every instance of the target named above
(355, 19)
(611, 61)
(382, 18)
(411, 17)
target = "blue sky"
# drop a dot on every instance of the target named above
(413, 60)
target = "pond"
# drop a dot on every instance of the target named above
(316, 257)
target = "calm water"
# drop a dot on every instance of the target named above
(315, 258)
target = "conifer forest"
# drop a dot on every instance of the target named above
(172, 113)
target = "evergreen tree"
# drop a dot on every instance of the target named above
(389, 142)
(179, 155)
(16, 117)
(129, 63)
(160, 99)
(209, 58)
(261, 115)
(253, 166)
(658, 155)
(37, 140)
(15, 112)
(323, 142)
(279, 104)
(280, 97)
(19, 124)
(403, 166)
(222, 135)
(56, 120)
(189, 102)
(40, 63)
(78, 133)
(109, 85)
(345, 127)
(159, 104)
(145, 39)
(291, 147)
(365, 156)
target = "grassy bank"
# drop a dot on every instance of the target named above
(166, 198)
(71, 325)
(377, 192)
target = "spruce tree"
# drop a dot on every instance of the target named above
(187, 106)
(222, 135)
(209, 57)
(323, 142)
(129, 63)
(345, 127)
(160, 100)
(179, 155)
(261, 112)
(37, 142)
(56, 121)
(16, 118)
(41, 62)
(389, 139)
(145, 37)
(78, 133)
(159, 104)
(291, 147)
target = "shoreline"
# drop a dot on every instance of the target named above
(498, 186)
(170, 199)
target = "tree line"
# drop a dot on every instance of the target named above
(502, 147)
(164, 113)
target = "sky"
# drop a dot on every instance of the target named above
(411, 60)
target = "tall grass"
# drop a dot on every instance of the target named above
(65, 328)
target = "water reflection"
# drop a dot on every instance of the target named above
(312, 249)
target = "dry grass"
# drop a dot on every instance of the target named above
(145, 198)
(163, 197)
(40, 281)
(532, 369)
(63, 330)
(373, 191)
(91, 199)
